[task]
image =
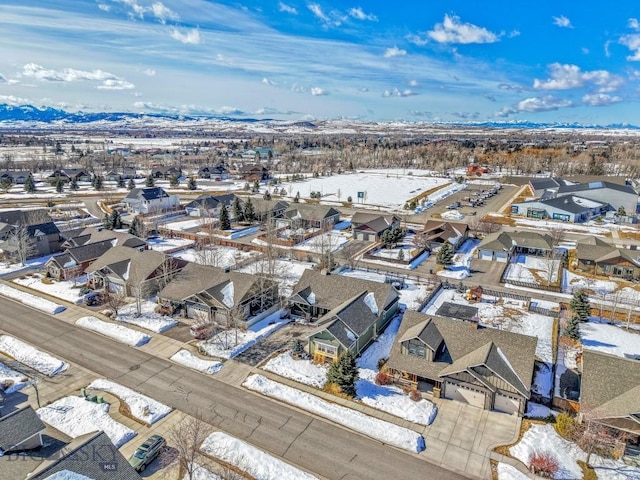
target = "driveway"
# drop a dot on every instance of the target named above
(461, 437)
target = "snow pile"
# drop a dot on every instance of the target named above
(228, 294)
(370, 301)
(535, 410)
(68, 290)
(32, 301)
(381, 348)
(67, 475)
(75, 416)
(148, 318)
(117, 332)
(200, 473)
(357, 421)
(302, 371)
(255, 462)
(141, 407)
(31, 357)
(610, 339)
(188, 359)
(452, 215)
(231, 343)
(509, 472)
(10, 380)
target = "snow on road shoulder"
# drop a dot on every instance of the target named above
(31, 356)
(68, 290)
(10, 380)
(188, 359)
(76, 416)
(117, 332)
(33, 301)
(141, 407)
(384, 431)
(255, 462)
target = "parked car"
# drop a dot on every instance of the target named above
(147, 452)
(92, 299)
(453, 205)
(202, 330)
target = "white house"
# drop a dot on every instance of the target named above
(149, 200)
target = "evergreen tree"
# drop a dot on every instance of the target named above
(401, 254)
(137, 227)
(29, 184)
(120, 182)
(106, 222)
(247, 187)
(98, 181)
(173, 181)
(445, 254)
(344, 373)
(238, 213)
(73, 185)
(59, 185)
(296, 199)
(297, 351)
(349, 199)
(149, 182)
(572, 330)
(225, 223)
(580, 305)
(267, 195)
(256, 186)
(249, 211)
(191, 184)
(115, 220)
(131, 185)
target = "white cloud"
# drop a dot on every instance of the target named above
(318, 12)
(150, 106)
(562, 22)
(633, 23)
(163, 13)
(417, 40)
(359, 14)
(189, 37)
(632, 42)
(395, 92)
(600, 99)
(150, 72)
(535, 104)
(13, 100)
(283, 7)
(452, 30)
(116, 85)
(317, 91)
(109, 81)
(413, 83)
(565, 77)
(104, 8)
(266, 81)
(394, 52)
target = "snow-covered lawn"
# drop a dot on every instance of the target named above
(532, 269)
(76, 416)
(216, 256)
(188, 359)
(384, 431)
(508, 472)
(148, 319)
(610, 339)
(199, 472)
(286, 272)
(162, 244)
(572, 281)
(589, 228)
(66, 290)
(7, 268)
(10, 380)
(33, 301)
(544, 439)
(117, 332)
(330, 241)
(143, 408)
(255, 462)
(188, 223)
(231, 343)
(31, 357)
(302, 371)
(460, 268)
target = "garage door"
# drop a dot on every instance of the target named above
(506, 404)
(194, 311)
(501, 257)
(486, 255)
(115, 288)
(465, 395)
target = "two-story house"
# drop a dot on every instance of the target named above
(150, 200)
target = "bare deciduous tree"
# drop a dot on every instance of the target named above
(23, 243)
(115, 300)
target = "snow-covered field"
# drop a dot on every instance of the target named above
(66, 290)
(188, 359)
(330, 241)
(31, 357)
(610, 339)
(76, 416)
(148, 318)
(231, 343)
(143, 408)
(10, 380)
(384, 431)
(286, 272)
(117, 332)
(255, 462)
(215, 256)
(33, 301)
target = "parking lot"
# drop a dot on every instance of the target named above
(490, 204)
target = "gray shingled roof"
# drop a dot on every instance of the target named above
(581, 187)
(211, 201)
(18, 426)
(35, 220)
(148, 193)
(310, 211)
(88, 455)
(610, 385)
(504, 241)
(354, 315)
(142, 264)
(98, 234)
(441, 231)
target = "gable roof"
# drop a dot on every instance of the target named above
(310, 211)
(505, 241)
(211, 201)
(597, 185)
(36, 221)
(599, 251)
(99, 234)
(262, 206)
(130, 265)
(610, 385)
(443, 231)
(147, 193)
(378, 224)
(350, 319)
(18, 426)
(568, 203)
(88, 455)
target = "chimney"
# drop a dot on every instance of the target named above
(325, 271)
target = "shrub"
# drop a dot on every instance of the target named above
(543, 464)
(382, 362)
(383, 378)
(565, 425)
(415, 395)
(47, 281)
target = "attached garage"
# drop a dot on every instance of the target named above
(195, 310)
(485, 255)
(460, 393)
(501, 257)
(115, 287)
(507, 403)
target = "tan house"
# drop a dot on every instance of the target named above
(598, 257)
(370, 226)
(436, 232)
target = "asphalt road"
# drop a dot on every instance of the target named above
(301, 439)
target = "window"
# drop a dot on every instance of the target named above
(416, 349)
(326, 349)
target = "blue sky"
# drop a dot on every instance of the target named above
(412, 60)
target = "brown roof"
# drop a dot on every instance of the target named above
(442, 231)
(129, 264)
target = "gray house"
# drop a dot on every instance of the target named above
(150, 200)
(370, 226)
(484, 367)
(500, 246)
(14, 177)
(21, 430)
(43, 234)
(311, 215)
(209, 205)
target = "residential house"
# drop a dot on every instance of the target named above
(501, 246)
(75, 260)
(92, 455)
(150, 200)
(484, 367)
(87, 235)
(69, 174)
(123, 269)
(610, 393)
(44, 235)
(20, 430)
(166, 172)
(568, 208)
(217, 173)
(209, 205)
(311, 215)
(370, 226)
(14, 177)
(598, 257)
(264, 209)
(126, 173)
(213, 294)
(436, 232)
(254, 171)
